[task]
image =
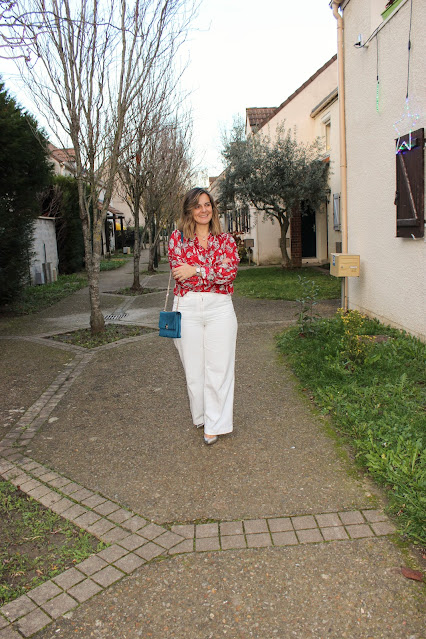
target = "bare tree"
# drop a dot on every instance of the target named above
(151, 110)
(15, 41)
(167, 167)
(85, 64)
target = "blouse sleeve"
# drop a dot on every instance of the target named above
(175, 249)
(178, 256)
(225, 266)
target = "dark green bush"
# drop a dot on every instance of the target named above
(69, 234)
(24, 174)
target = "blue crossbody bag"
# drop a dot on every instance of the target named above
(170, 321)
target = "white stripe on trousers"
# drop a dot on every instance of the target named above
(207, 351)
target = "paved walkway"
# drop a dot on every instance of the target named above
(269, 533)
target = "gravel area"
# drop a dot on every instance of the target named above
(152, 459)
(26, 371)
(349, 590)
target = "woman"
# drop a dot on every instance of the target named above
(204, 265)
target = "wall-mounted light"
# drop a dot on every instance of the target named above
(359, 44)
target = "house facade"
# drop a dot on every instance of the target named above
(45, 260)
(311, 112)
(385, 102)
(63, 161)
(119, 215)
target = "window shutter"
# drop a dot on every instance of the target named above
(409, 197)
(336, 211)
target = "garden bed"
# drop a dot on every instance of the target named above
(113, 333)
(370, 380)
(35, 543)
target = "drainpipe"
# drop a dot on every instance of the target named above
(335, 4)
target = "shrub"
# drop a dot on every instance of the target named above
(25, 172)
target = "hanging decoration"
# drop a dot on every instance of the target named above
(408, 121)
(409, 118)
(377, 73)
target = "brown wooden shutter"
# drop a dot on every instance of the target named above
(409, 197)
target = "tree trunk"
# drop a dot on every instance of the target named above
(151, 257)
(158, 250)
(97, 322)
(92, 256)
(285, 260)
(136, 286)
(296, 237)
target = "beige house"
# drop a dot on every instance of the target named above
(63, 160)
(45, 259)
(311, 112)
(385, 188)
(119, 215)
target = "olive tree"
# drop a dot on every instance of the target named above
(276, 176)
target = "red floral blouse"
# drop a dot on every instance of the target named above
(216, 275)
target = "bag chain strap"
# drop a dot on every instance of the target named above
(170, 279)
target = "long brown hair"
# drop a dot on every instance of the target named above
(187, 222)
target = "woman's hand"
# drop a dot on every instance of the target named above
(183, 272)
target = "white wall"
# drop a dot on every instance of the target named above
(392, 282)
(45, 248)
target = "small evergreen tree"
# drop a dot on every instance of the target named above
(277, 177)
(24, 173)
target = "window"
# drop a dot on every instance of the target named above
(328, 136)
(336, 211)
(409, 196)
(239, 220)
(326, 122)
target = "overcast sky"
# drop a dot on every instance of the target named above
(244, 53)
(251, 53)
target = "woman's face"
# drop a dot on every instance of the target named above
(202, 211)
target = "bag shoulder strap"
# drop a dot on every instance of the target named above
(170, 277)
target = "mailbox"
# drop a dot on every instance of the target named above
(249, 242)
(343, 265)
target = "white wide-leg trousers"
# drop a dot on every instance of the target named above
(207, 351)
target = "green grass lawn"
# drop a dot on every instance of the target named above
(276, 283)
(35, 543)
(35, 298)
(373, 388)
(112, 263)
